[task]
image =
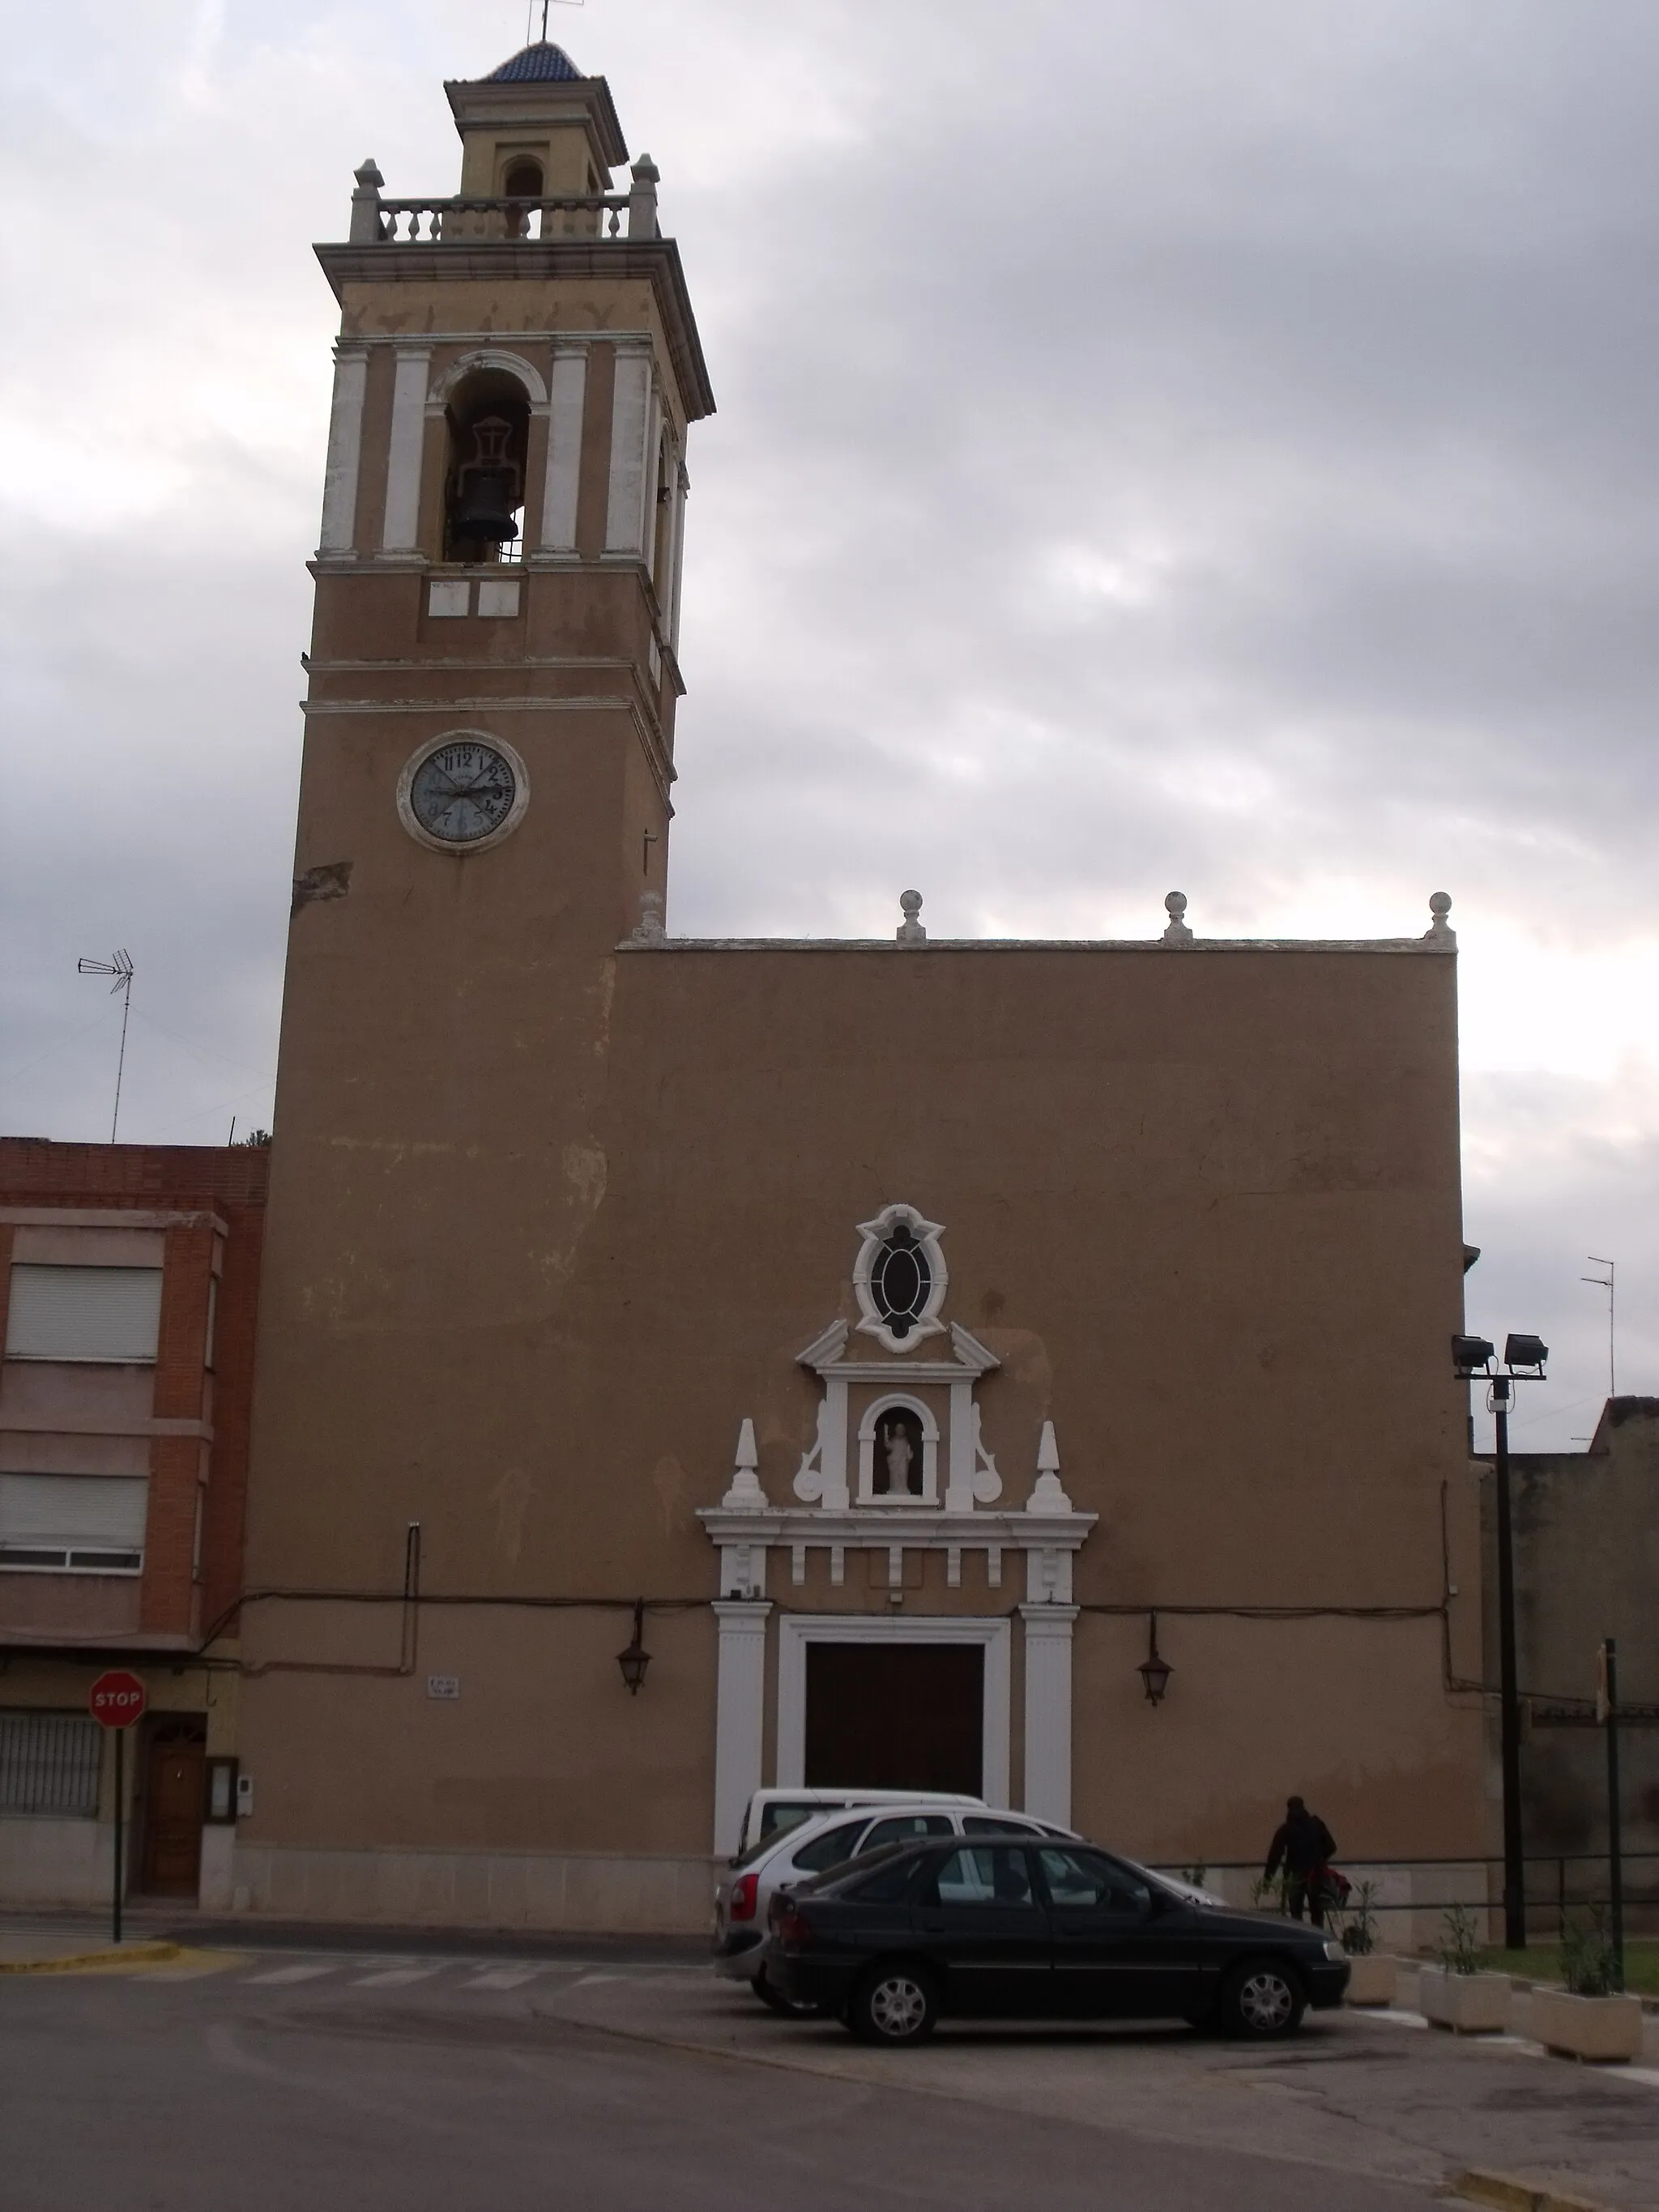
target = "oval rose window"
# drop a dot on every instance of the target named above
(901, 1281)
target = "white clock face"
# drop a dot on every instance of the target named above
(465, 790)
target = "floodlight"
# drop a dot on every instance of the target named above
(1526, 1352)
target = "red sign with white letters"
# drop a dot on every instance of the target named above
(118, 1699)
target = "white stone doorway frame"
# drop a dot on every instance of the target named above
(796, 1631)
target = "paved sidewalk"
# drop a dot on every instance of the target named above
(23, 1948)
(1356, 2093)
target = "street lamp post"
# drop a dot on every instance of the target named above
(1523, 1360)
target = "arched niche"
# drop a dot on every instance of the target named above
(486, 412)
(898, 1435)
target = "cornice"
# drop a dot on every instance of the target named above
(97, 1425)
(926, 1527)
(541, 260)
(652, 741)
(97, 1217)
(1414, 947)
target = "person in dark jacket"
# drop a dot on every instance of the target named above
(1304, 1847)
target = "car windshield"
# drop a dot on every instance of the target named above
(1186, 1890)
(819, 1853)
(849, 1868)
(783, 1813)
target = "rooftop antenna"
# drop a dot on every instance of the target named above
(530, 10)
(119, 966)
(1606, 1283)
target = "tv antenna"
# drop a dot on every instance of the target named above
(530, 10)
(120, 966)
(1606, 1283)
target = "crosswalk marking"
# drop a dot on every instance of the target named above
(504, 1978)
(292, 1973)
(395, 1977)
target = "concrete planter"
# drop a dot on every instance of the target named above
(1372, 1978)
(1606, 2030)
(1469, 2004)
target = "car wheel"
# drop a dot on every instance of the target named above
(786, 2008)
(1261, 2001)
(894, 2004)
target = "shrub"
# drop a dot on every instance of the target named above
(1459, 1949)
(1355, 1925)
(1589, 1964)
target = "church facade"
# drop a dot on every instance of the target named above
(898, 1353)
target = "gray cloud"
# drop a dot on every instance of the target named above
(1204, 447)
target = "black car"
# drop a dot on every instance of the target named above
(1035, 1930)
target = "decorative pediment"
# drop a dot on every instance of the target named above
(898, 1459)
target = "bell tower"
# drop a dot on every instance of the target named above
(484, 796)
(503, 511)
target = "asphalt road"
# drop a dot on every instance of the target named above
(343, 2083)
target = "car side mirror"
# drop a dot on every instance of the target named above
(1158, 1902)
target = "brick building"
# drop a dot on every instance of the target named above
(128, 1284)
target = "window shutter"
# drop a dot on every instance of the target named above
(112, 1314)
(66, 1522)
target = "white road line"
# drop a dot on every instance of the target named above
(504, 1978)
(293, 1974)
(395, 1977)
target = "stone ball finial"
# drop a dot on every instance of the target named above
(1439, 929)
(910, 931)
(1440, 902)
(1175, 905)
(649, 928)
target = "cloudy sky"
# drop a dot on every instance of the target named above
(1206, 445)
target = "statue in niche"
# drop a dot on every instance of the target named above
(901, 1445)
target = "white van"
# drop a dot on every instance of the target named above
(771, 1811)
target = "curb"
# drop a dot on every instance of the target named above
(143, 1954)
(1508, 2195)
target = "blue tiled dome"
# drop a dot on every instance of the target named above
(541, 63)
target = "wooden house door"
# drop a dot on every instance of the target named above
(174, 1782)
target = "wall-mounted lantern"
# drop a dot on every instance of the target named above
(1154, 1670)
(634, 1661)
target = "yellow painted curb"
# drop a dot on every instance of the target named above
(1512, 2196)
(130, 1954)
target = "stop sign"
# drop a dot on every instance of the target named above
(118, 1698)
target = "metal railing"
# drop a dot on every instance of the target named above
(1559, 1885)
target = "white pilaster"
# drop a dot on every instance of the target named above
(1048, 1711)
(653, 470)
(959, 1483)
(345, 450)
(739, 1716)
(682, 485)
(566, 399)
(630, 414)
(403, 468)
(835, 1497)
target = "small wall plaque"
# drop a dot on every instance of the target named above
(443, 1685)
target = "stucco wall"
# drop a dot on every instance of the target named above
(1587, 1566)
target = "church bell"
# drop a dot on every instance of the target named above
(489, 486)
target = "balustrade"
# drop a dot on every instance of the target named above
(409, 223)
